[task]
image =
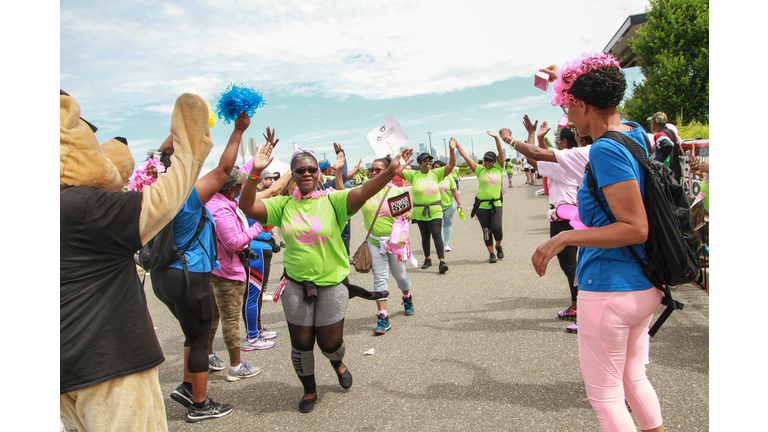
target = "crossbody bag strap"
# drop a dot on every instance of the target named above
(375, 216)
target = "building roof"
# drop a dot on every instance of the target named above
(619, 44)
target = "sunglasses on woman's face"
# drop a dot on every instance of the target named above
(375, 170)
(487, 160)
(301, 171)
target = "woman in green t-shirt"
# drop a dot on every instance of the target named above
(427, 210)
(381, 259)
(487, 204)
(449, 199)
(315, 261)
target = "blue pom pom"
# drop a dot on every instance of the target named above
(236, 99)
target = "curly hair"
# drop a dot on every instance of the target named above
(596, 79)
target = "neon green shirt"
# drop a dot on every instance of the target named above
(490, 184)
(425, 191)
(312, 234)
(510, 167)
(383, 226)
(446, 197)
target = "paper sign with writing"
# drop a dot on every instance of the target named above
(388, 137)
(399, 204)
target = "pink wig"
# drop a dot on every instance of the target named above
(141, 177)
(576, 68)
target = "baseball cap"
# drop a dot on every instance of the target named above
(423, 157)
(658, 118)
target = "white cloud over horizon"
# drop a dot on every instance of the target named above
(137, 53)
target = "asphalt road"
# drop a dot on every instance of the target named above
(483, 352)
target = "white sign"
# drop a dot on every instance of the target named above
(388, 137)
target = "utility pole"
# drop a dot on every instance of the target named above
(473, 148)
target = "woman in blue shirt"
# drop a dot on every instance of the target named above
(616, 301)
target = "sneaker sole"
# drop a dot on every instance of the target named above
(443, 270)
(257, 348)
(180, 398)
(381, 332)
(567, 318)
(214, 368)
(571, 330)
(409, 313)
(206, 417)
(231, 378)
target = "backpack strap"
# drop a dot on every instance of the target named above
(183, 258)
(636, 150)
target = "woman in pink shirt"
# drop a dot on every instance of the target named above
(229, 282)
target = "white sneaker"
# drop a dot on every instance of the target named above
(447, 248)
(257, 344)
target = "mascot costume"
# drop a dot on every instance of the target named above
(109, 353)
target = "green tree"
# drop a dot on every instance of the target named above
(673, 52)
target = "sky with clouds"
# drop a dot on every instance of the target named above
(328, 71)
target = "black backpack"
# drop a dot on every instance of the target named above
(672, 246)
(161, 251)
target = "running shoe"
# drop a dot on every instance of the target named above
(568, 314)
(244, 372)
(499, 252)
(572, 328)
(210, 410)
(215, 363)
(443, 267)
(257, 344)
(447, 248)
(383, 324)
(266, 334)
(408, 304)
(492, 259)
(427, 263)
(182, 395)
(282, 244)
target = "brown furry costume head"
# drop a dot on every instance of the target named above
(83, 160)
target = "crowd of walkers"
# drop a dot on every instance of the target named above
(228, 224)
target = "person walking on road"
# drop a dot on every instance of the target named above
(487, 204)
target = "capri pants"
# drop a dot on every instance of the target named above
(612, 338)
(448, 214)
(432, 228)
(388, 261)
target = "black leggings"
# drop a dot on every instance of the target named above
(567, 257)
(194, 312)
(491, 224)
(434, 228)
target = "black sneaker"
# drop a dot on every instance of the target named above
(182, 395)
(499, 252)
(427, 263)
(492, 259)
(210, 410)
(443, 267)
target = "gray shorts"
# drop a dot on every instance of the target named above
(329, 307)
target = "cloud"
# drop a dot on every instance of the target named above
(142, 51)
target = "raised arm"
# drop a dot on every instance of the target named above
(214, 180)
(499, 149)
(191, 141)
(472, 164)
(341, 162)
(250, 204)
(359, 195)
(452, 159)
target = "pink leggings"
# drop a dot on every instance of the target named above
(612, 338)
